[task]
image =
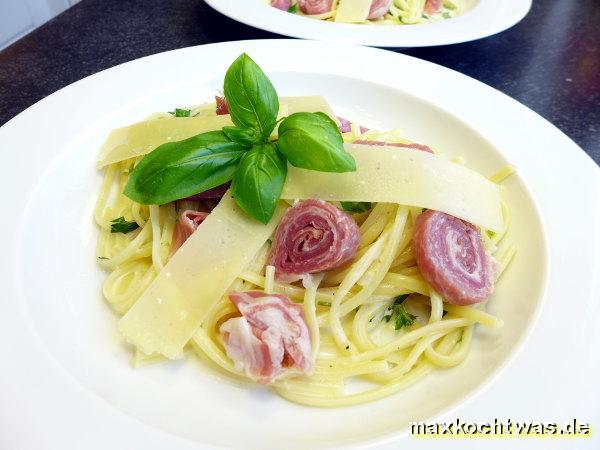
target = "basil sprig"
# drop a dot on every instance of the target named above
(242, 153)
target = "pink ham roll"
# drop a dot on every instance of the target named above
(313, 236)
(450, 255)
(379, 8)
(432, 6)
(187, 223)
(222, 107)
(270, 340)
(315, 6)
(284, 5)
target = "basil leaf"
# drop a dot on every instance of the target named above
(313, 141)
(258, 181)
(357, 207)
(252, 100)
(180, 169)
(120, 225)
(243, 136)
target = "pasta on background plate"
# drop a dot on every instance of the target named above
(373, 12)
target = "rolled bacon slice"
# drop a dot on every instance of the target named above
(315, 6)
(421, 147)
(346, 126)
(186, 224)
(450, 256)
(222, 107)
(270, 340)
(313, 236)
(284, 5)
(379, 8)
(432, 7)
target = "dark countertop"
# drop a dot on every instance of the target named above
(550, 61)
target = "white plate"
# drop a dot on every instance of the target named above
(65, 373)
(481, 19)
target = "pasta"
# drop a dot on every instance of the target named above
(374, 12)
(352, 312)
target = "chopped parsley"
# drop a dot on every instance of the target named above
(357, 207)
(181, 112)
(120, 225)
(322, 303)
(425, 16)
(446, 15)
(102, 257)
(293, 9)
(402, 317)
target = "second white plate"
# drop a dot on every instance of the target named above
(483, 18)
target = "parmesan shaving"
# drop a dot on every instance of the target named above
(353, 11)
(141, 138)
(308, 103)
(172, 308)
(407, 177)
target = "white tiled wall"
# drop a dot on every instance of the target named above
(19, 17)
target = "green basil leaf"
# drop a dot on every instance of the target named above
(357, 207)
(258, 181)
(313, 141)
(177, 170)
(251, 97)
(244, 136)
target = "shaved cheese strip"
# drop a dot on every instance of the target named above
(407, 177)
(143, 137)
(172, 308)
(353, 11)
(308, 103)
